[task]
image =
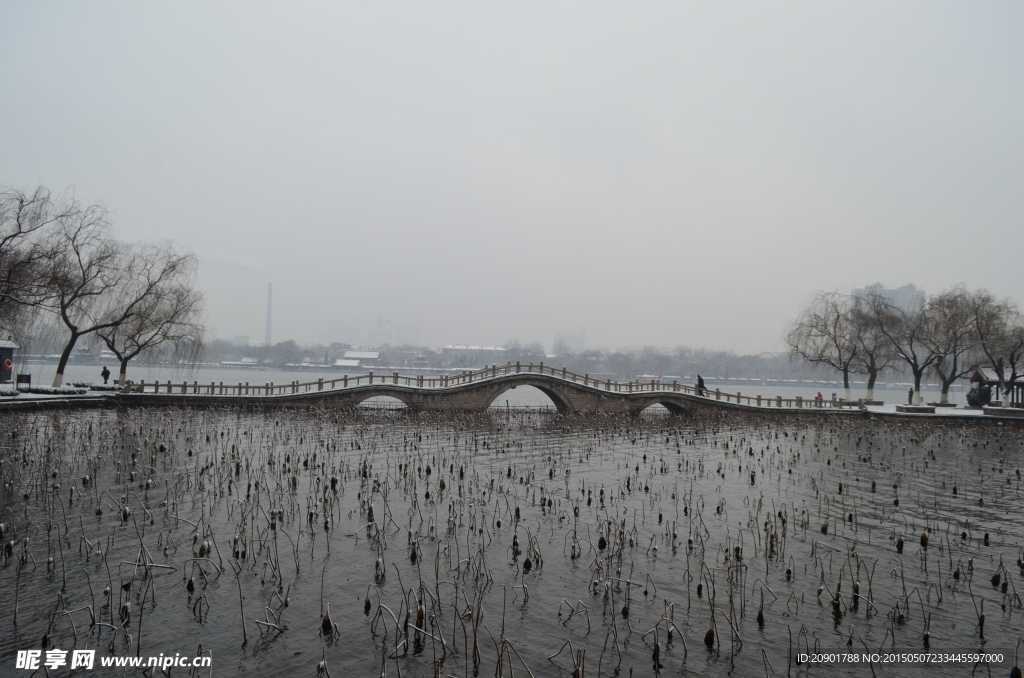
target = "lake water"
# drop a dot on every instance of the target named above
(661, 516)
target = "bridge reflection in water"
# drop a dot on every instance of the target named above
(472, 391)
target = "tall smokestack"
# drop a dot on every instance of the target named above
(270, 294)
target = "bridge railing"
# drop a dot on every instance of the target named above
(469, 377)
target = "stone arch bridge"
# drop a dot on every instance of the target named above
(479, 395)
(472, 391)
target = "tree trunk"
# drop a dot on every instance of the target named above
(871, 384)
(917, 388)
(121, 378)
(944, 398)
(846, 384)
(58, 379)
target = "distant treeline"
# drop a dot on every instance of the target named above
(682, 361)
(950, 336)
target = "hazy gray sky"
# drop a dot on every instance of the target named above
(660, 173)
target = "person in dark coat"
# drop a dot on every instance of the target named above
(700, 385)
(105, 374)
(910, 396)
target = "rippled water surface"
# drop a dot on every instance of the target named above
(629, 525)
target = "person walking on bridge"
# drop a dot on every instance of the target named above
(700, 385)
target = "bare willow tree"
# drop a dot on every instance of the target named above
(99, 284)
(1000, 335)
(909, 332)
(952, 337)
(824, 334)
(26, 220)
(874, 350)
(168, 310)
(85, 270)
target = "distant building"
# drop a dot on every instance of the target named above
(358, 359)
(380, 336)
(249, 363)
(362, 355)
(907, 298)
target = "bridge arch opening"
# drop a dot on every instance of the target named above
(383, 402)
(525, 396)
(666, 408)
